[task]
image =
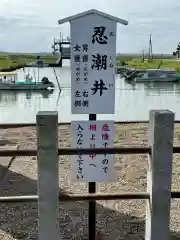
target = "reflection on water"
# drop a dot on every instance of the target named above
(8, 97)
(161, 88)
(11, 97)
(133, 101)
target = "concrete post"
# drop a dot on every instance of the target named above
(48, 182)
(159, 176)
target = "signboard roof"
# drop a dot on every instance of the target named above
(93, 11)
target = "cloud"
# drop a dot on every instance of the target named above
(33, 24)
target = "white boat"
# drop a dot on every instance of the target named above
(9, 81)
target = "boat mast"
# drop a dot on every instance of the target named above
(143, 55)
(150, 48)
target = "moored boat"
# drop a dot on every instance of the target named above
(157, 75)
(130, 74)
(9, 81)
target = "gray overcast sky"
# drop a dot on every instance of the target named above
(31, 25)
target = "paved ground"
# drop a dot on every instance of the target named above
(114, 218)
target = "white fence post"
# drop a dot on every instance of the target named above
(159, 176)
(48, 168)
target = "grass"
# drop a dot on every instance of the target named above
(8, 61)
(155, 63)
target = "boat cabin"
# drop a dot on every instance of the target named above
(8, 77)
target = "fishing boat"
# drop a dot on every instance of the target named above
(130, 74)
(9, 81)
(157, 75)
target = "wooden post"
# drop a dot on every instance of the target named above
(92, 204)
(159, 176)
(48, 184)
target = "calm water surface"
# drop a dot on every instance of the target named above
(132, 102)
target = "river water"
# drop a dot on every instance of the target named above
(132, 102)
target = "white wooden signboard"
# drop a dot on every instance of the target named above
(93, 53)
(92, 167)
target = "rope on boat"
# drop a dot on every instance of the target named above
(57, 79)
(57, 102)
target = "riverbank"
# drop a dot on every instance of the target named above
(19, 221)
(11, 62)
(153, 64)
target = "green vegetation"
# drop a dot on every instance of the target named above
(147, 64)
(8, 61)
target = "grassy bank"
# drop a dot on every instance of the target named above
(19, 60)
(156, 63)
(10, 61)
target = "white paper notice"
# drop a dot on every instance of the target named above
(93, 167)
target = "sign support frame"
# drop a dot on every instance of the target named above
(92, 204)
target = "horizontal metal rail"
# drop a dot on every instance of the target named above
(76, 151)
(19, 199)
(84, 151)
(83, 197)
(116, 150)
(18, 125)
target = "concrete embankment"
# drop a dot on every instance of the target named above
(12, 68)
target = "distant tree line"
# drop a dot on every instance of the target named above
(177, 52)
